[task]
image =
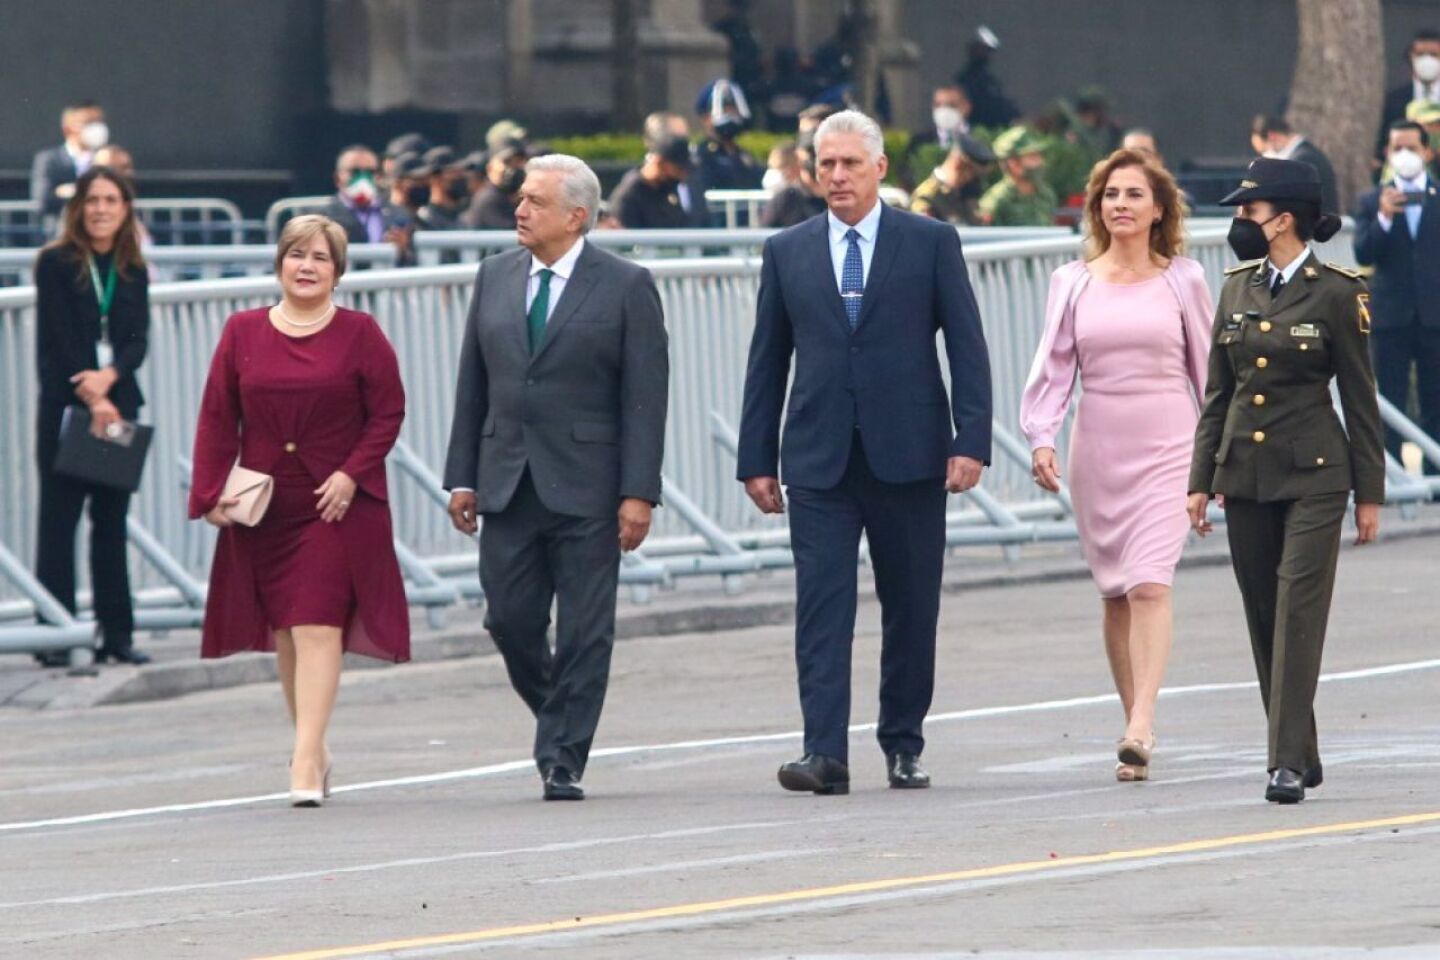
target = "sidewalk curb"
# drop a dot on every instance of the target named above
(768, 607)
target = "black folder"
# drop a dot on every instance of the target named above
(115, 461)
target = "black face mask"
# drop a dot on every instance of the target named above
(511, 180)
(417, 196)
(1247, 238)
(728, 128)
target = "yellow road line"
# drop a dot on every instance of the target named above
(850, 889)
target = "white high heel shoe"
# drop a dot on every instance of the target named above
(313, 798)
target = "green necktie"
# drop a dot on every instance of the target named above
(540, 309)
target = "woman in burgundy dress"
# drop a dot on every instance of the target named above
(310, 394)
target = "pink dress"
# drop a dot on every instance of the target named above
(1131, 445)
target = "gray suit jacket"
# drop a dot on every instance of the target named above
(586, 412)
(50, 169)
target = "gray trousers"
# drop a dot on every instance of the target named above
(530, 558)
(1284, 555)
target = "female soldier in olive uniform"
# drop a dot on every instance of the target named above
(1269, 441)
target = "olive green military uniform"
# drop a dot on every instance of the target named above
(1270, 441)
(1003, 205)
(935, 198)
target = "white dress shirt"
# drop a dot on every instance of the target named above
(562, 269)
(1424, 91)
(868, 228)
(1412, 211)
(1291, 268)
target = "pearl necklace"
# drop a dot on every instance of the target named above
(280, 309)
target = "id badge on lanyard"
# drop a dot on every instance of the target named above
(104, 295)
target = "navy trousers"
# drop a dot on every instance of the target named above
(905, 526)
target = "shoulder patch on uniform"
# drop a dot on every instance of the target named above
(1242, 267)
(1344, 271)
(1362, 307)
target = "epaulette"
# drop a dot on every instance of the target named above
(1242, 267)
(1344, 271)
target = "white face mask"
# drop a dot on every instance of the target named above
(773, 181)
(94, 135)
(947, 118)
(1426, 67)
(1407, 164)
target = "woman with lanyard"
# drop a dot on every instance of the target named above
(1270, 443)
(92, 312)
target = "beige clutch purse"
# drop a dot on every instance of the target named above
(253, 489)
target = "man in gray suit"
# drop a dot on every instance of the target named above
(557, 441)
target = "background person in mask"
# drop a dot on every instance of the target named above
(952, 192)
(782, 167)
(1022, 198)
(1272, 136)
(1423, 55)
(1397, 231)
(991, 107)
(723, 164)
(493, 205)
(449, 193)
(646, 197)
(1270, 443)
(949, 120)
(359, 206)
(55, 170)
(800, 200)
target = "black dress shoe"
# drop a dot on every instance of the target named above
(136, 658)
(815, 773)
(1286, 786)
(53, 658)
(906, 773)
(1314, 776)
(561, 784)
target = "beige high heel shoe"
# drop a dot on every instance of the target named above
(313, 798)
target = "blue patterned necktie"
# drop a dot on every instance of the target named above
(852, 278)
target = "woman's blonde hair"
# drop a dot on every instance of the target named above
(1167, 236)
(301, 229)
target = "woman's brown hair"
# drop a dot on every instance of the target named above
(73, 238)
(1167, 236)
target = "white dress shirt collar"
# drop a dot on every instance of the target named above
(868, 226)
(1424, 91)
(1291, 268)
(1418, 185)
(563, 267)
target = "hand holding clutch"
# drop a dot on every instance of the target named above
(245, 498)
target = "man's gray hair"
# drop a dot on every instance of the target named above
(579, 187)
(853, 121)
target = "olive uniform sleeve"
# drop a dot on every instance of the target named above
(1351, 349)
(1219, 387)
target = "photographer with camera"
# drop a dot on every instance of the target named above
(1397, 231)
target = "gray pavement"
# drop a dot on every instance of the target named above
(158, 829)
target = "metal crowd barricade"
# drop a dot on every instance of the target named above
(203, 262)
(283, 209)
(178, 221)
(21, 224)
(707, 528)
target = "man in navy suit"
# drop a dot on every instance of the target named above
(1397, 230)
(871, 441)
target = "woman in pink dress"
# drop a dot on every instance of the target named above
(310, 394)
(1133, 320)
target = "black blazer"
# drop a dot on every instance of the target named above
(51, 168)
(1313, 155)
(884, 376)
(67, 321)
(1406, 285)
(1396, 100)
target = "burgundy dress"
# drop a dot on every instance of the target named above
(300, 408)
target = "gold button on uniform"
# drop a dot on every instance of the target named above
(1304, 346)
(1319, 461)
(1258, 436)
(1262, 362)
(1258, 400)
(290, 447)
(1264, 326)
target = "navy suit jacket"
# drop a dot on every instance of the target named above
(1406, 285)
(884, 377)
